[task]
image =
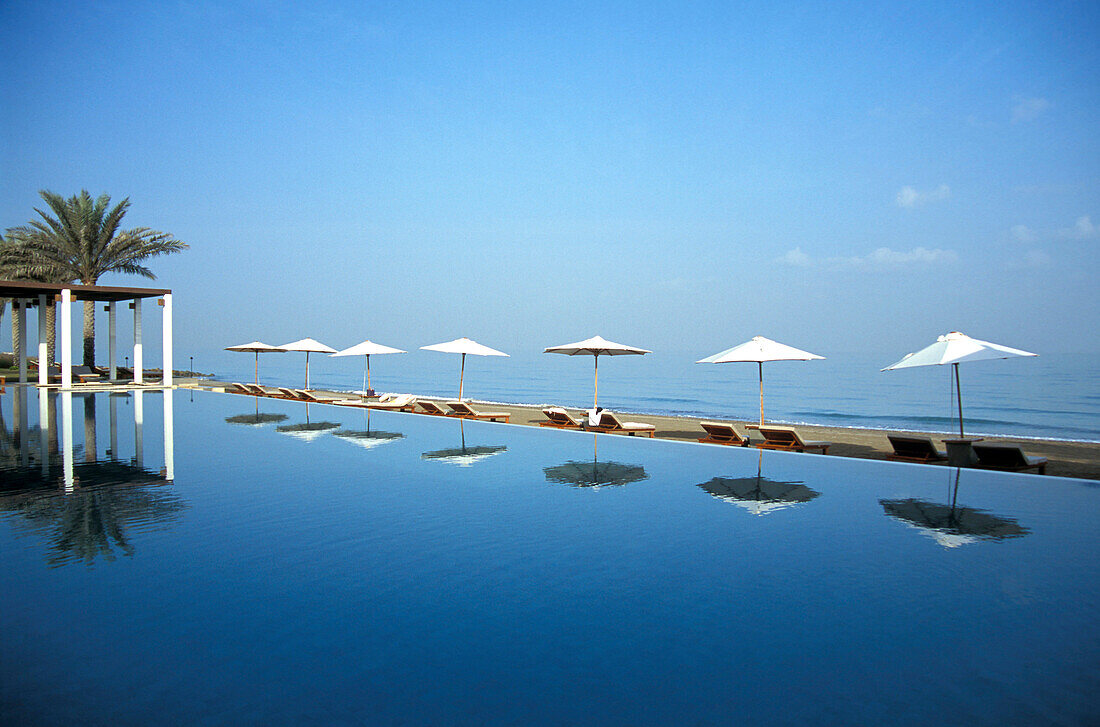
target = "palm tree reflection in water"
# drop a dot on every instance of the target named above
(93, 512)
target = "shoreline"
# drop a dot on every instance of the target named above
(1066, 458)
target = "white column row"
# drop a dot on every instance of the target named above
(19, 313)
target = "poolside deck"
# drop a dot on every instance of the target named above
(1066, 458)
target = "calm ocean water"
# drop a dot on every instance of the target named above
(1053, 396)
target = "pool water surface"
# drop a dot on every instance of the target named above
(200, 558)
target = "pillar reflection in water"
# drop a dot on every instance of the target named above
(44, 430)
(169, 437)
(67, 439)
(91, 448)
(139, 428)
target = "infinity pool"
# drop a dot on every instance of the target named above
(197, 558)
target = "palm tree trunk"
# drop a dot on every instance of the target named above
(16, 338)
(89, 333)
(51, 333)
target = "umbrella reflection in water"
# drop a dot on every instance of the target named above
(367, 438)
(464, 456)
(307, 431)
(953, 525)
(595, 474)
(256, 419)
(759, 495)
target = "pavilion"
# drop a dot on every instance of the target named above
(26, 295)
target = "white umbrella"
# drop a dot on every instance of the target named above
(463, 346)
(955, 348)
(256, 347)
(365, 349)
(596, 347)
(758, 350)
(309, 346)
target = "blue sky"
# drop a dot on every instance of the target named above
(678, 176)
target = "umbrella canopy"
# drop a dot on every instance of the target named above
(365, 349)
(309, 346)
(955, 348)
(758, 350)
(463, 346)
(595, 347)
(256, 347)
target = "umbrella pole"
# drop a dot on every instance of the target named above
(760, 367)
(461, 376)
(958, 390)
(307, 369)
(368, 372)
(596, 395)
(257, 367)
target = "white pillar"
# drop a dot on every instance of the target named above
(169, 437)
(21, 311)
(139, 428)
(112, 348)
(43, 354)
(137, 340)
(166, 338)
(67, 436)
(67, 341)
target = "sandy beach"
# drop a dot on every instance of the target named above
(1065, 458)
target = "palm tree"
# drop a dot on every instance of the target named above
(17, 264)
(81, 241)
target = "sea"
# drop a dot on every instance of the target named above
(1054, 396)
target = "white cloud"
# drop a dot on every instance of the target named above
(911, 197)
(1023, 233)
(881, 259)
(1027, 109)
(884, 257)
(796, 257)
(1083, 229)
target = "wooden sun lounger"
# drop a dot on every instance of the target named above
(1007, 457)
(290, 393)
(235, 388)
(560, 418)
(394, 402)
(720, 433)
(464, 410)
(785, 438)
(914, 449)
(430, 407)
(322, 398)
(609, 423)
